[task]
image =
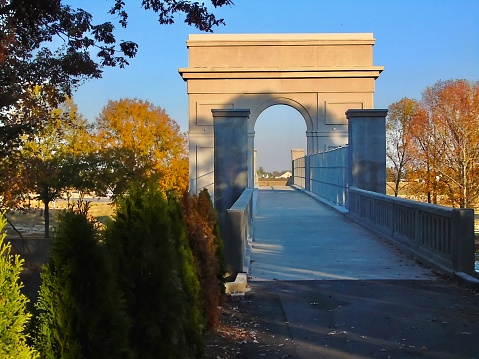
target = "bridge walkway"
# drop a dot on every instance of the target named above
(323, 287)
(298, 238)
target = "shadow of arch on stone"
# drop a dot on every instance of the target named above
(255, 113)
(320, 75)
(234, 78)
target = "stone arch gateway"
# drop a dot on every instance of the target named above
(320, 75)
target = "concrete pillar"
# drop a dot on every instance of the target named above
(231, 171)
(463, 234)
(296, 153)
(367, 149)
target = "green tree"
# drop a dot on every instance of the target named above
(49, 43)
(58, 158)
(55, 158)
(13, 182)
(80, 310)
(14, 316)
(142, 143)
(41, 167)
(156, 275)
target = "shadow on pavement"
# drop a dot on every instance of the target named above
(363, 319)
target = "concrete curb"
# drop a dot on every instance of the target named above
(461, 277)
(340, 209)
(468, 280)
(238, 287)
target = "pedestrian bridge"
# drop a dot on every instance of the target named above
(352, 180)
(323, 285)
(288, 233)
(296, 237)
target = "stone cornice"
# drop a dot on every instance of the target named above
(352, 113)
(206, 40)
(276, 73)
(232, 112)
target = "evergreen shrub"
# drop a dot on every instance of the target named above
(14, 316)
(80, 310)
(207, 247)
(156, 275)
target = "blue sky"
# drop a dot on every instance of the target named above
(419, 42)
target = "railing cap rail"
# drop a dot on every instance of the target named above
(429, 207)
(366, 113)
(243, 200)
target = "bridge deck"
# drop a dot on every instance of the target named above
(298, 238)
(343, 293)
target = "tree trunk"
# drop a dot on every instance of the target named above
(19, 233)
(46, 213)
(396, 188)
(464, 199)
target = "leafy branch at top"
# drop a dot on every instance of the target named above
(29, 55)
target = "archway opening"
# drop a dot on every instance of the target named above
(278, 130)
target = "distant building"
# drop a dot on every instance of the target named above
(287, 174)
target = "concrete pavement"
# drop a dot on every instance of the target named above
(298, 238)
(323, 287)
(359, 319)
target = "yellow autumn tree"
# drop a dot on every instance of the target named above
(141, 143)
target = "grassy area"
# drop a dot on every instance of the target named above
(272, 182)
(102, 211)
(31, 223)
(405, 188)
(34, 249)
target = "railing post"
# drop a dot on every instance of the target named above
(417, 227)
(234, 236)
(463, 240)
(307, 173)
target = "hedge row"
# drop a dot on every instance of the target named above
(147, 286)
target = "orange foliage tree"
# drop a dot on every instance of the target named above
(398, 155)
(207, 246)
(445, 133)
(425, 156)
(142, 143)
